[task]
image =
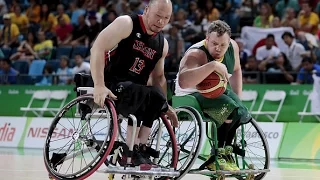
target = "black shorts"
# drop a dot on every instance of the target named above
(145, 102)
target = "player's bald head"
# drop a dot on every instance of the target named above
(157, 13)
(151, 2)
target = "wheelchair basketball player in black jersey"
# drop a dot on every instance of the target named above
(132, 71)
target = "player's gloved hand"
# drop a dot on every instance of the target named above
(100, 93)
(221, 69)
(172, 116)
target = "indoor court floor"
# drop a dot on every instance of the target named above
(28, 165)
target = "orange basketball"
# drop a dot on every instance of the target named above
(212, 86)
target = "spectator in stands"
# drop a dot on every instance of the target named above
(125, 8)
(250, 71)
(248, 7)
(81, 66)
(108, 18)
(79, 33)
(278, 70)
(267, 52)
(63, 32)
(187, 29)
(9, 34)
(20, 20)
(192, 8)
(211, 12)
(283, 5)
(1, 54)
(64, 73)
(175, 42)
(15, 3)
(308, 20)
(135, 6)
(8, 75)
(75, 13)
(228, 12)
(48, 21)
(60, 13)
(317, 9)
(200, 26)
(94, 29)
(43, 49)
(265, 18)
(25, 50)
(308, 68)
(33, 12)
(276, 23)
(3, 8)
(289, 19)
(294, 52)
(244, 53)
(47, 78)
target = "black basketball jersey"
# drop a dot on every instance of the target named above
(135, 57)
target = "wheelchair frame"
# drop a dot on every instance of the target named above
(169, 172)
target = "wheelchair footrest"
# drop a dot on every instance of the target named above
(136, 171)
(219, 172)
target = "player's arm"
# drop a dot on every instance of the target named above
(157, 77)
(108, 38)
(236, 78)
(194, 68)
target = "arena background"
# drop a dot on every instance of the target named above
(66, 31)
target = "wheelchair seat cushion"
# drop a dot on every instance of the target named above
(83, 80)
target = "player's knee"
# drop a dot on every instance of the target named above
(148, 123)
(228, 121)
(232, 114)
(130, 122)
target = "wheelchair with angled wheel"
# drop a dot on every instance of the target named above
(93, 141)
(250, 147)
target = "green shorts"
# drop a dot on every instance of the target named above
(226, 107)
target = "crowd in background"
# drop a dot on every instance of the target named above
(61, 32)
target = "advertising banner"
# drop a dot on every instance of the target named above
(273, 132)
(36, 131)
(296, 95)
(11, 130)
(301, 141)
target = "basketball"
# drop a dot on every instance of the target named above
(212, 86)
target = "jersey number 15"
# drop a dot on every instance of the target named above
(137, 66)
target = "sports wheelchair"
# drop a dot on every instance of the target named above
(93, 139)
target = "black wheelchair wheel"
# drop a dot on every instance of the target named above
(80, 138)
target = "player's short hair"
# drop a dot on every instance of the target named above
(270, 36)
(6, 60)
(307, 59)
(287, 33)
(220, 27)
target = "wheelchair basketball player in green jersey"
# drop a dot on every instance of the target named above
(218, 52)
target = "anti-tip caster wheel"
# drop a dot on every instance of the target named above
(111, 177)
(221, 177)
(250, 177)
(251, 166)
